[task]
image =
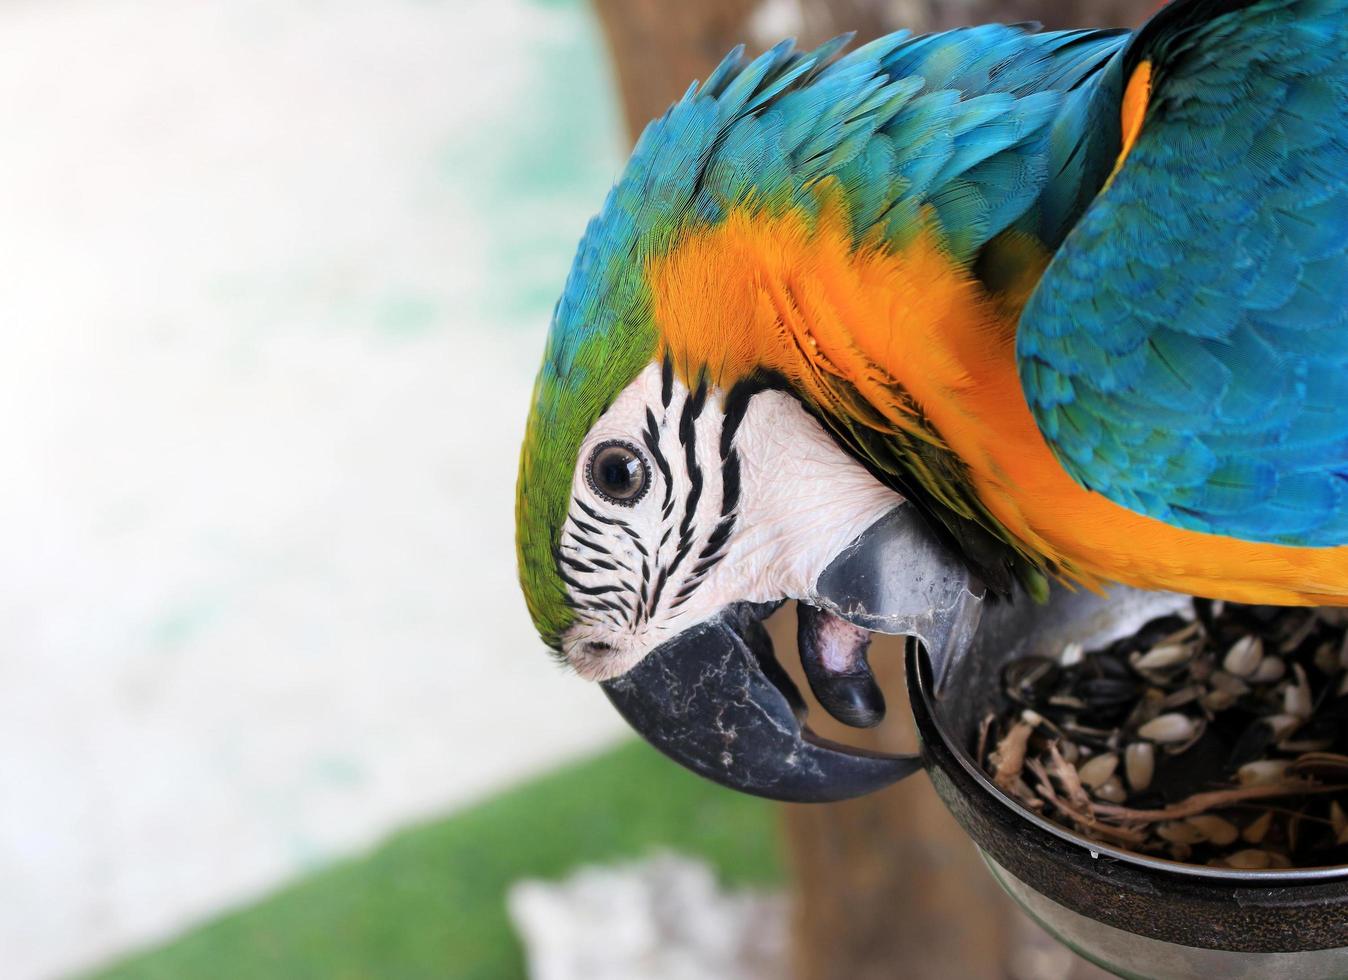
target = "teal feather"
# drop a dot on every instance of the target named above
(1186, 353)
(960, 124)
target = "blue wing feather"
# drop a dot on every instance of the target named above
(1186, 353)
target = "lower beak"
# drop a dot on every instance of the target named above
(716, 700)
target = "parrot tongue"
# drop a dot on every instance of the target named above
(715, 699)
(833, 653)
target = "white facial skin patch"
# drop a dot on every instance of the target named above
(743, 501)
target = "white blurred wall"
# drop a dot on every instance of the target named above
(273, 285)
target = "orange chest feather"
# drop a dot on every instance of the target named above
(915, 335)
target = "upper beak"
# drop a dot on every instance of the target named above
(716, 700)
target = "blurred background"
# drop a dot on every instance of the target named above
(275, 283)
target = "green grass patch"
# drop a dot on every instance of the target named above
(431, 901)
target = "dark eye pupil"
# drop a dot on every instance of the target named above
(618, 473)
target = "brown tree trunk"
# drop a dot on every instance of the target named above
(886, 886)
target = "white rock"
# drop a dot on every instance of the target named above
(662, 918)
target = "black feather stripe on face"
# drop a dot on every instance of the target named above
(651, 437)
(666, 381)
(637, 600)
(601, 518)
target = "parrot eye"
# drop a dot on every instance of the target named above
(618, 473)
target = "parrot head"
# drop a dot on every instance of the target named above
(681, 477)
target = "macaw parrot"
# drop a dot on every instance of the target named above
(947, 317)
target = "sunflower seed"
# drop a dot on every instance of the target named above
(1030, 679)
(1162, 658)
(1139, 764)
(1071, 655)
(1326, 658)
(1172, 727)
(1185, 695)
(1282, 725)
(1067, 701)
(1180, 832)
(1244, 656)
(1298, 635)
(1179, 748)
(1111, 791)
(1256, 829)
(1228, 683)
(1201, 668)
(1214, 829)
(1096, 770)
(1098, 737)
(1270, 669)
(1262, 771)
(1297, 696)
(1105, 693)
(1250, 859)
(1146, 723)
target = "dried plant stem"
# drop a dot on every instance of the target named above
(1068, 778)
(1009, 755)
(1213, 800)
(1282, 811)
(1104, 830)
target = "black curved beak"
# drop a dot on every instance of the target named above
(716, 700)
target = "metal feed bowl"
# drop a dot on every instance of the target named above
(1135, 915)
